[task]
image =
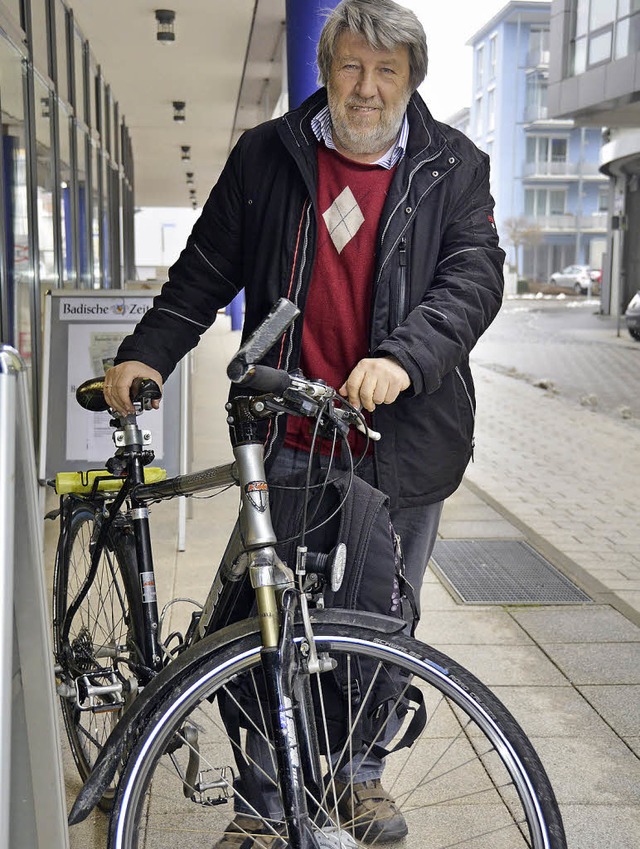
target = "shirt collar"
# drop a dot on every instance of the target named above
(321, 126)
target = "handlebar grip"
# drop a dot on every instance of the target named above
(266, 379)
(144, 389)
(90, 396)
(262, 339)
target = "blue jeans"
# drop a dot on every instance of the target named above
(417, 528)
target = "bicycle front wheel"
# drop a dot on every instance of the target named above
(471, 778)
(94, 648)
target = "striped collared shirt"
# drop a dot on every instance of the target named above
(321, 126)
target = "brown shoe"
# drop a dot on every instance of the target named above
(246, 832)
(370, 813)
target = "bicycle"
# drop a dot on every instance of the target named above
(316, 692)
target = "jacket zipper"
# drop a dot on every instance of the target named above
(473, 412)
(401, 300)
(271, 440)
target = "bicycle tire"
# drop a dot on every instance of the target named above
(103, 632)
(480, 782)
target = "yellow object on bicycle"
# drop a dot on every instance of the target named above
(83, 482)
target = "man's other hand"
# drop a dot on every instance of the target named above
(375, 380)
(118, 380)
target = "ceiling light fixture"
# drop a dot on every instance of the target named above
(189, 178)
(164, 19)
(178, 110)
(186, 153)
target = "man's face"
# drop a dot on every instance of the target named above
(368, 92)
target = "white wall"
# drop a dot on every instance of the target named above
(160, 234)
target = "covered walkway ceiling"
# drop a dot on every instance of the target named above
(225, 64)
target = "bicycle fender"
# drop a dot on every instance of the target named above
(126, 731)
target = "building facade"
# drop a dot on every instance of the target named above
(66, 181)
(551, 200)
(594, 78)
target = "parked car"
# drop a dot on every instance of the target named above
(576, 278)
(632, 316)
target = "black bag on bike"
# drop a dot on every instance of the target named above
(349, 510)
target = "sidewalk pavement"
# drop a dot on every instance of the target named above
(570, 674)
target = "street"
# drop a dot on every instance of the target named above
(564, 346)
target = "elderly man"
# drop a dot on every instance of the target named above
(377, 221)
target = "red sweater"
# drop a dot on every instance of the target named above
(335, 333)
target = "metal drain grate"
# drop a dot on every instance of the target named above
(502, 572)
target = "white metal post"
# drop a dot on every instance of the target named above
(9, 368)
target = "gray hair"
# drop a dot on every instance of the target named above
(384, 25)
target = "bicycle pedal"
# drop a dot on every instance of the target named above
(223, 784)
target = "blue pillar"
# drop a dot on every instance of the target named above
(305, 19)
(235, 310)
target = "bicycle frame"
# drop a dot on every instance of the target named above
(251, 552)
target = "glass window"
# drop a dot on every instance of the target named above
(622, 39)
(603, 199)
(83, 210)
(491, 110)
(95, 216)
(580, 56)
(64, 166)
(62, 52)
(558, 150)
(602, 12)
(107, 113)
(78, 67)
(99, 102)
(480, 66)
(478, 116)
(600, 47)
(116, 133)
(91, 91)
(623, 8)
(105, 224)
(493, 56)
(582, 17)
(18, 292)
(557, 202)
(39, 37)
(45, 176)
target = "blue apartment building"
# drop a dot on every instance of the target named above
(551, 199)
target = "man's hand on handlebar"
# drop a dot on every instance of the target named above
(375, 380)
(118, 380)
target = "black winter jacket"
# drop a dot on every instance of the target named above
(438, 282)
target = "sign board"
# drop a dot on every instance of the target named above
(83, 329)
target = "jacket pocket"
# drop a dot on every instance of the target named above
(400, 295)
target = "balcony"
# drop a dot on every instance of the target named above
(568, 223)
(561, 169)
(538, 59)
(536, 113)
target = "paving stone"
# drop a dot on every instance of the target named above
(601, 827)
(506, 665)
(552, 711)
(588, 770)
(584, 624)
(619, 705)
(597, 663)
(472, 627)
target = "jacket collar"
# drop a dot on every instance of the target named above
(425, 137)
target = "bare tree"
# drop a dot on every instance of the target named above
(522, 232)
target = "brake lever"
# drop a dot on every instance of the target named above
(351, 418)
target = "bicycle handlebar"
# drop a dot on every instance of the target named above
(266, 379)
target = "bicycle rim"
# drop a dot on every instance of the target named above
(471, 779)
(99, 638)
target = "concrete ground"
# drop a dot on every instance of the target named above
(570, 674)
